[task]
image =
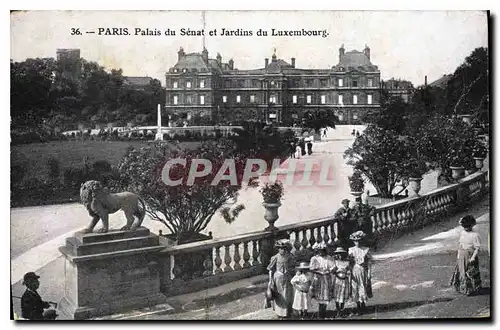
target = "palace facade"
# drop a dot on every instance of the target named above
(278, 92)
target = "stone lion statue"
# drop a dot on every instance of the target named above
(100, 203)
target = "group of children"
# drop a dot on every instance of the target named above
(338, 277)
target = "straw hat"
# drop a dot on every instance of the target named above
(283, 243)
(303, 266)
(357, 236)
(467, 221)
(319, 246)
(340, 250)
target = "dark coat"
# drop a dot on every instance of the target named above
(32, 305)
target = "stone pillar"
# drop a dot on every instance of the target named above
(110, 273)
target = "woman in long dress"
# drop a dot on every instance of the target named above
(298, 151)
(466, 278)
(361, 272)
(321, 266)
(281, 270)
(341, 280)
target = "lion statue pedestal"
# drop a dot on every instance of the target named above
(110, 273)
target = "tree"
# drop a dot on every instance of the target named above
(446, 142)
(319, 118)
(383, 157)
(185, 209)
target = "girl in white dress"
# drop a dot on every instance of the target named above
(361, 272)
(298, 151)
(301, 283)
(341, 280)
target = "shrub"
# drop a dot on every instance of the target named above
(356, 182)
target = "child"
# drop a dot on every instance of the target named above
(301, 284)
(341, 280)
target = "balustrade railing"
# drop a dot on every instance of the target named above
(196, 266)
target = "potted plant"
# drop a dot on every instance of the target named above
(356, 183)
(479, 154)
(457, 168)
(272, 194)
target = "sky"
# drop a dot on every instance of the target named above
(404, 44)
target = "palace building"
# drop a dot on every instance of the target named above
(278, 92)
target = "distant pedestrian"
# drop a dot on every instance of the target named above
(298, 151)
(361, 272)
(353, 132)
(357, 133)
(309, 147)
(466, 278)
(341, 280)
(324, 133)
(32, 305)
(281, 270)
(292, 150)
(301, 283)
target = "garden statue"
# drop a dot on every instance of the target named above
(100, 203)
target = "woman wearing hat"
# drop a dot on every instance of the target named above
(466, 278)
(281, 270)
(341, 280)
(301, 284)
(361, 272)
(321, 265)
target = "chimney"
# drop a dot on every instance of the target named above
(204, 54)
(341, 52)
(266, 63)
(231, 64)
(367, 51)
(219, 59)
(293, 62)
(425, 81)
(180, 53)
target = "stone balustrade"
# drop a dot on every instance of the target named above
(196, 266)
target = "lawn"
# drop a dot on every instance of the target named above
(72, 153)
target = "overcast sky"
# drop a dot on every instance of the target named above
(407, 45)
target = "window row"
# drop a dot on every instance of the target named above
(273, 99)
(188, 84)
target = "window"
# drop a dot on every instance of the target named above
(176, 84)
(341, 99)
(202, 83)
(188, 84)
(272, 99)
(294, 99)
(176, 99)
(224, 99)
(354, 99)
(369, 99)
(252, 98)
(202, 99)
(341, 82)
(308, 99)
(354, 83)
(238, 99)
(323, 99)
(370, 82)
(189, 99)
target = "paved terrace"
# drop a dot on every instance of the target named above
(410, 280)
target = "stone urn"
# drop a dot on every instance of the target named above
(415, 185)
(457, 172)
(271, 213)
(479, 162)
